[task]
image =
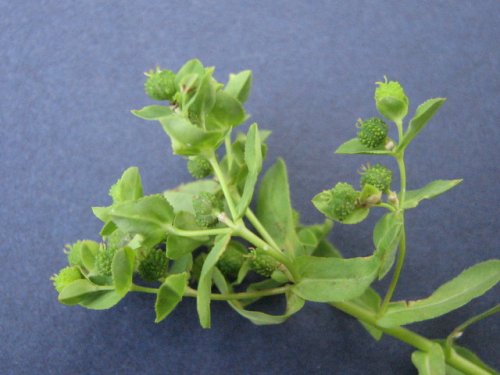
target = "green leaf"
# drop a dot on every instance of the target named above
(203, 100)
(122, 269)
(178, 246)
(354, 146)
(253, 160)
(334, 279)
(88, 251)
(101, 300)
(370, 300)
(188, 139)
(191, 67)
(73, 293)
(181, 198)
(227, 111)
(239, 85)
(152, 112)
(423, 114)
(431, 190)
(169, 295)
(357, 216)
(470, 284)
(182, 264)
(149, 216)
(431, 362)
(293, 304)
(128, 187)
(205, 283)
(471, 356)
(274, 208)
(326, 249)
(386, 236)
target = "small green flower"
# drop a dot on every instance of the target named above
(153, 265)
(231, 261)
(207, 207)
(160, 84)
(199, 167)
(65, 277)
(104, 259)
(378, 176)
(391, 100)
(337, 203)
(373, 132)
(262, 263)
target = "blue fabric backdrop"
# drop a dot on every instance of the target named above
(71, 71)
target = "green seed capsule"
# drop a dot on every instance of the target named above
(160, 84)
(65, 277)
(378, 176)
(262, 263)
(231, 261)
(199, 167)
(153, 265)
(206, 208)
(343, 199)
(373, 132)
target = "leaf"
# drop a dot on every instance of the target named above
(423, 114)
(253, 160)
(227, 111)
(169, 295)
(128, 187)
(326, 249)
(357, 216)
(334, 279)
(431, 362)
(203, 100)
(178, 246)
(122, 270)
(239, 85)
(205, 283)
(88, 251)
(470, 284)
(370, 300)
(386, 236)
(152, 112)
(188, 139)
(274, 208)
(101, 300)
(73, 293)
(293, 304)
(149, 216)
(354, 146)
(471, 356)
(193, 66)
(431, 190)
(181, 198)
(183, 264)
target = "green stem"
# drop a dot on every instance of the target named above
(414, 339)
(457, 332)
(198, 233)
(229, 150)
(386, 205)
(143, 289)
(223, 184)
(260, 228)
(237, 296)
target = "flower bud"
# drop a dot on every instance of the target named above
(153, 265)
(65, 277)
(262, 263)
(206, 208)
(337, 203)
(391, 100)
(104, 259)
(373, 132)
(231, 260)
(377, 176)
(160, 84)
(199, 167)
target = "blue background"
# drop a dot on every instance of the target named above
(70, 73)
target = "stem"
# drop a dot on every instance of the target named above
(143, 289)
(409, 337)
(237, 296)
(260, 228)
(457, 332)
(223, 184)
(386, 205)
(229, 150)
(198, 233)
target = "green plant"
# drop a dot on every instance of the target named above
(211, 221)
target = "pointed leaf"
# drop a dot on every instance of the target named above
(386, 236)
(239, 85)
(152, 112)
(431, 362)
(354, 146)
(253, 160)
(205, 283)
(423, 114)
(88, 251)
(431, 190)
(227, 110)
(73, 293)
(334, 279)
(122, 269)
(470, 284)
(128, 187)
(169, 295)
